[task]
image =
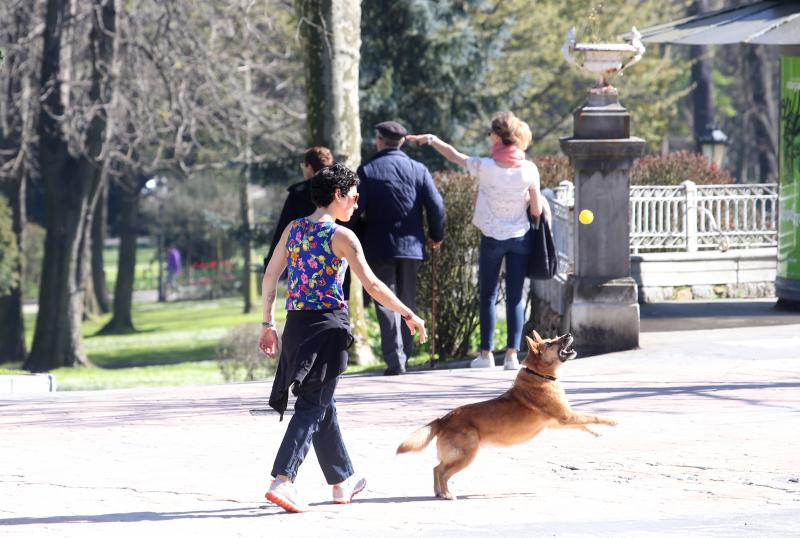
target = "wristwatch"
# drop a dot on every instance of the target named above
(267, 324)
(430, 140)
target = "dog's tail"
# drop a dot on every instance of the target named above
(420, 438)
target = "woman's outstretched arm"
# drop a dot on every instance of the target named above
(446, 150)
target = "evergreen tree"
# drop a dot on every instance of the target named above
(425, 65)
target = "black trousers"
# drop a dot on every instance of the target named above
(400, 275)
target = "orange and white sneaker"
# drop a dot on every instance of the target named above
(284, 494)
(343, 493)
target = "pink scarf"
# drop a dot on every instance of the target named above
(510, 154)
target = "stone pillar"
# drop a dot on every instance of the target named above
(604, 310)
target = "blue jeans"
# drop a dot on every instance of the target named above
(492, 251)
(314, 422)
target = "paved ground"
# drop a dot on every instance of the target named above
(706, 446)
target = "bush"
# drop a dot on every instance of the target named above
(675, 168)
(456, 269)
(9, 253)
(671, 169)
(239, 358)
(554, 169)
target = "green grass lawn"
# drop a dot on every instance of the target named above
(175, 344)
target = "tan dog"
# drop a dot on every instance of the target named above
(536, 401)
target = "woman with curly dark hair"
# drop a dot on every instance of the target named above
(317, 335)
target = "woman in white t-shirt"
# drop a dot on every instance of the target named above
(508, 187)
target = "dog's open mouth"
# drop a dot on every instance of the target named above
(567, 351)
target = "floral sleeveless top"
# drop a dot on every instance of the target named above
(315, 273)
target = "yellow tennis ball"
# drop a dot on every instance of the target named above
(586, 216)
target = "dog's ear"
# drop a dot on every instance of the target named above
(531, 344)
(536, 336)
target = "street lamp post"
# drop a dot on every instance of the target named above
(713, 145)
(158, 187)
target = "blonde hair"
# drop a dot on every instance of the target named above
(512, 130)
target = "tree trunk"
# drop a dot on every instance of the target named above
(12, 323)
(246, 210)
(122, 320)
(99, 283)
(71, 188)
(762, 113)
(331, 32)
(703, 93)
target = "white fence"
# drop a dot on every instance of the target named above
(681, 218)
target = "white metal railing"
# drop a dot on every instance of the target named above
(562, 202)
(686, 217)
(692, 217)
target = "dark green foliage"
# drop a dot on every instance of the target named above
(456, 269)
(424, 64)
(9, 253)
(675, 168)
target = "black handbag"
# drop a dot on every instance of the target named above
(542, 259)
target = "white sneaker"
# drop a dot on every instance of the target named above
(344, 493)
(511, 362)
(482, 361)
(285, 495)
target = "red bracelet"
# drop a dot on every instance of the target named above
(408, 317)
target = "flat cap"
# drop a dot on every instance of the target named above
(391, 130)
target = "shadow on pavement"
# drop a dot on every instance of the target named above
(140, 516)
(717, 391)
(432, 498)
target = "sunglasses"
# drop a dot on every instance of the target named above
(353, 197)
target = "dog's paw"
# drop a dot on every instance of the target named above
(611, 422)
(446, 495)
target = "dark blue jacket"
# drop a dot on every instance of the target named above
(394, 190)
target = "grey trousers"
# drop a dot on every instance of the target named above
(400, 275)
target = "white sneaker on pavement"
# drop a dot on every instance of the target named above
(482, 361)
(343, 493)
(284, 494)
(511, 362)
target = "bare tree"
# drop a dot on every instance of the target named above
(762, 108)
(19, 43)
(201, 85)
(78, 44)
(98, 281)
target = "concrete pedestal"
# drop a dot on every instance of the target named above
(604, 310)
(604, 315)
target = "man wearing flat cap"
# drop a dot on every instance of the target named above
(393, 192)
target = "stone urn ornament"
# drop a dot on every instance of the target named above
(603, 59)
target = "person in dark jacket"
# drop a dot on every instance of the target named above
(298, 202)
(316, 335)
(394, 191)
